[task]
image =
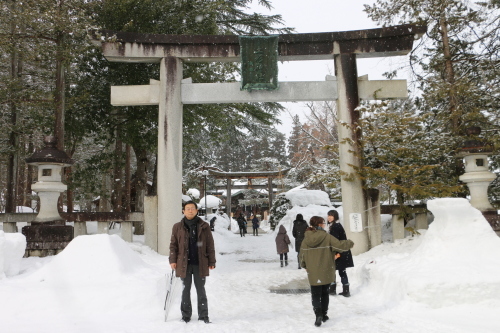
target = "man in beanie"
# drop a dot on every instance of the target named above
(192, 255)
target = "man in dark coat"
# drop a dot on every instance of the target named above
(299, 228)
(344, 259)
(192, 255)
(242, 224)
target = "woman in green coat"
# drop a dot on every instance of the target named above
(317, 256)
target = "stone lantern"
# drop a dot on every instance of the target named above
(477, 176)
(48, 234)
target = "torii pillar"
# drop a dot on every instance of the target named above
(171, 92)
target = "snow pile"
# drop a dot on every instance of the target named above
(221, 223)
(12, 247)
(457, 261)
(193, 193)
(307, 197)
(307, 213)
(94, 259)
(212, 201)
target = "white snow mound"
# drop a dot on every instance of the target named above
(12, 247)
(457, 261)
(92, 259)
(308, 197)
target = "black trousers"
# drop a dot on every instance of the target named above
(193, 273)
(320, 298)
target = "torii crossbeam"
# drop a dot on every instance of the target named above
(171, 92)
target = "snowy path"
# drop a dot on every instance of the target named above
(86, 294)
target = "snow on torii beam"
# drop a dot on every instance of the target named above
(171, 50)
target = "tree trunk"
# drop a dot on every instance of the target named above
(450, 77)
(118, 177)
(126, 204)
(15, 76)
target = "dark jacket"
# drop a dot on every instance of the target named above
(241, 222)
(299, 228)
(179, 245)
(345, 260)
(317, 256)
(255, 223)
(282, 240)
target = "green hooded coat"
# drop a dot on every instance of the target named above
(317, 255)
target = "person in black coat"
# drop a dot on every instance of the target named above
(242, 224)
(299, 228)
(344, 259)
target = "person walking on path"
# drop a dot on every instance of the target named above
(242, 224)
(317, 257)
(255, 225)
(299, 228)
(343, 260)
(192, 255)
(282, 241)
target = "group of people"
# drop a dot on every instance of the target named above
(321, 253)
(242, 224)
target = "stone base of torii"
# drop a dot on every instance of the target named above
(171, 92)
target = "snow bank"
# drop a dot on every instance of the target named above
(12, 247)
(92, 259)
(303, 198)
(456, 262)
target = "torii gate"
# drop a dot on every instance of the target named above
(171, 92)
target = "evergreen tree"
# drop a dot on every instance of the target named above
(455, 67)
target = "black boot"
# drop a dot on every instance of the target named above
(333, 289)
(345, 291)
(281, 263)
(286, 262)
(319, 317)
(325, 316)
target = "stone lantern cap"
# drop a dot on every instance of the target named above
(475, 145)
(50, 154)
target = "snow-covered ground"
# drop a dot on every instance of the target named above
(446, 280)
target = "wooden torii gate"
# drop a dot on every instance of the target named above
(171, 92)
(228, 176)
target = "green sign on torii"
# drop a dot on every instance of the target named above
(259, 62)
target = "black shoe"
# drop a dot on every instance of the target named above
(205, 320)
(186, 319)
(345, 291)
(325, 317)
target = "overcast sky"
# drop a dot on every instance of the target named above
(323, 16)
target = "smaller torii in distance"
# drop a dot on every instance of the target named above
(171, 92)
(228, 176)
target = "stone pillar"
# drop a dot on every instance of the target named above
(373, 215)
(421, 221)
(151, 221)
(169, 150)
(353, 200)
(80, 228)
(398, 227)
(126, 231)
